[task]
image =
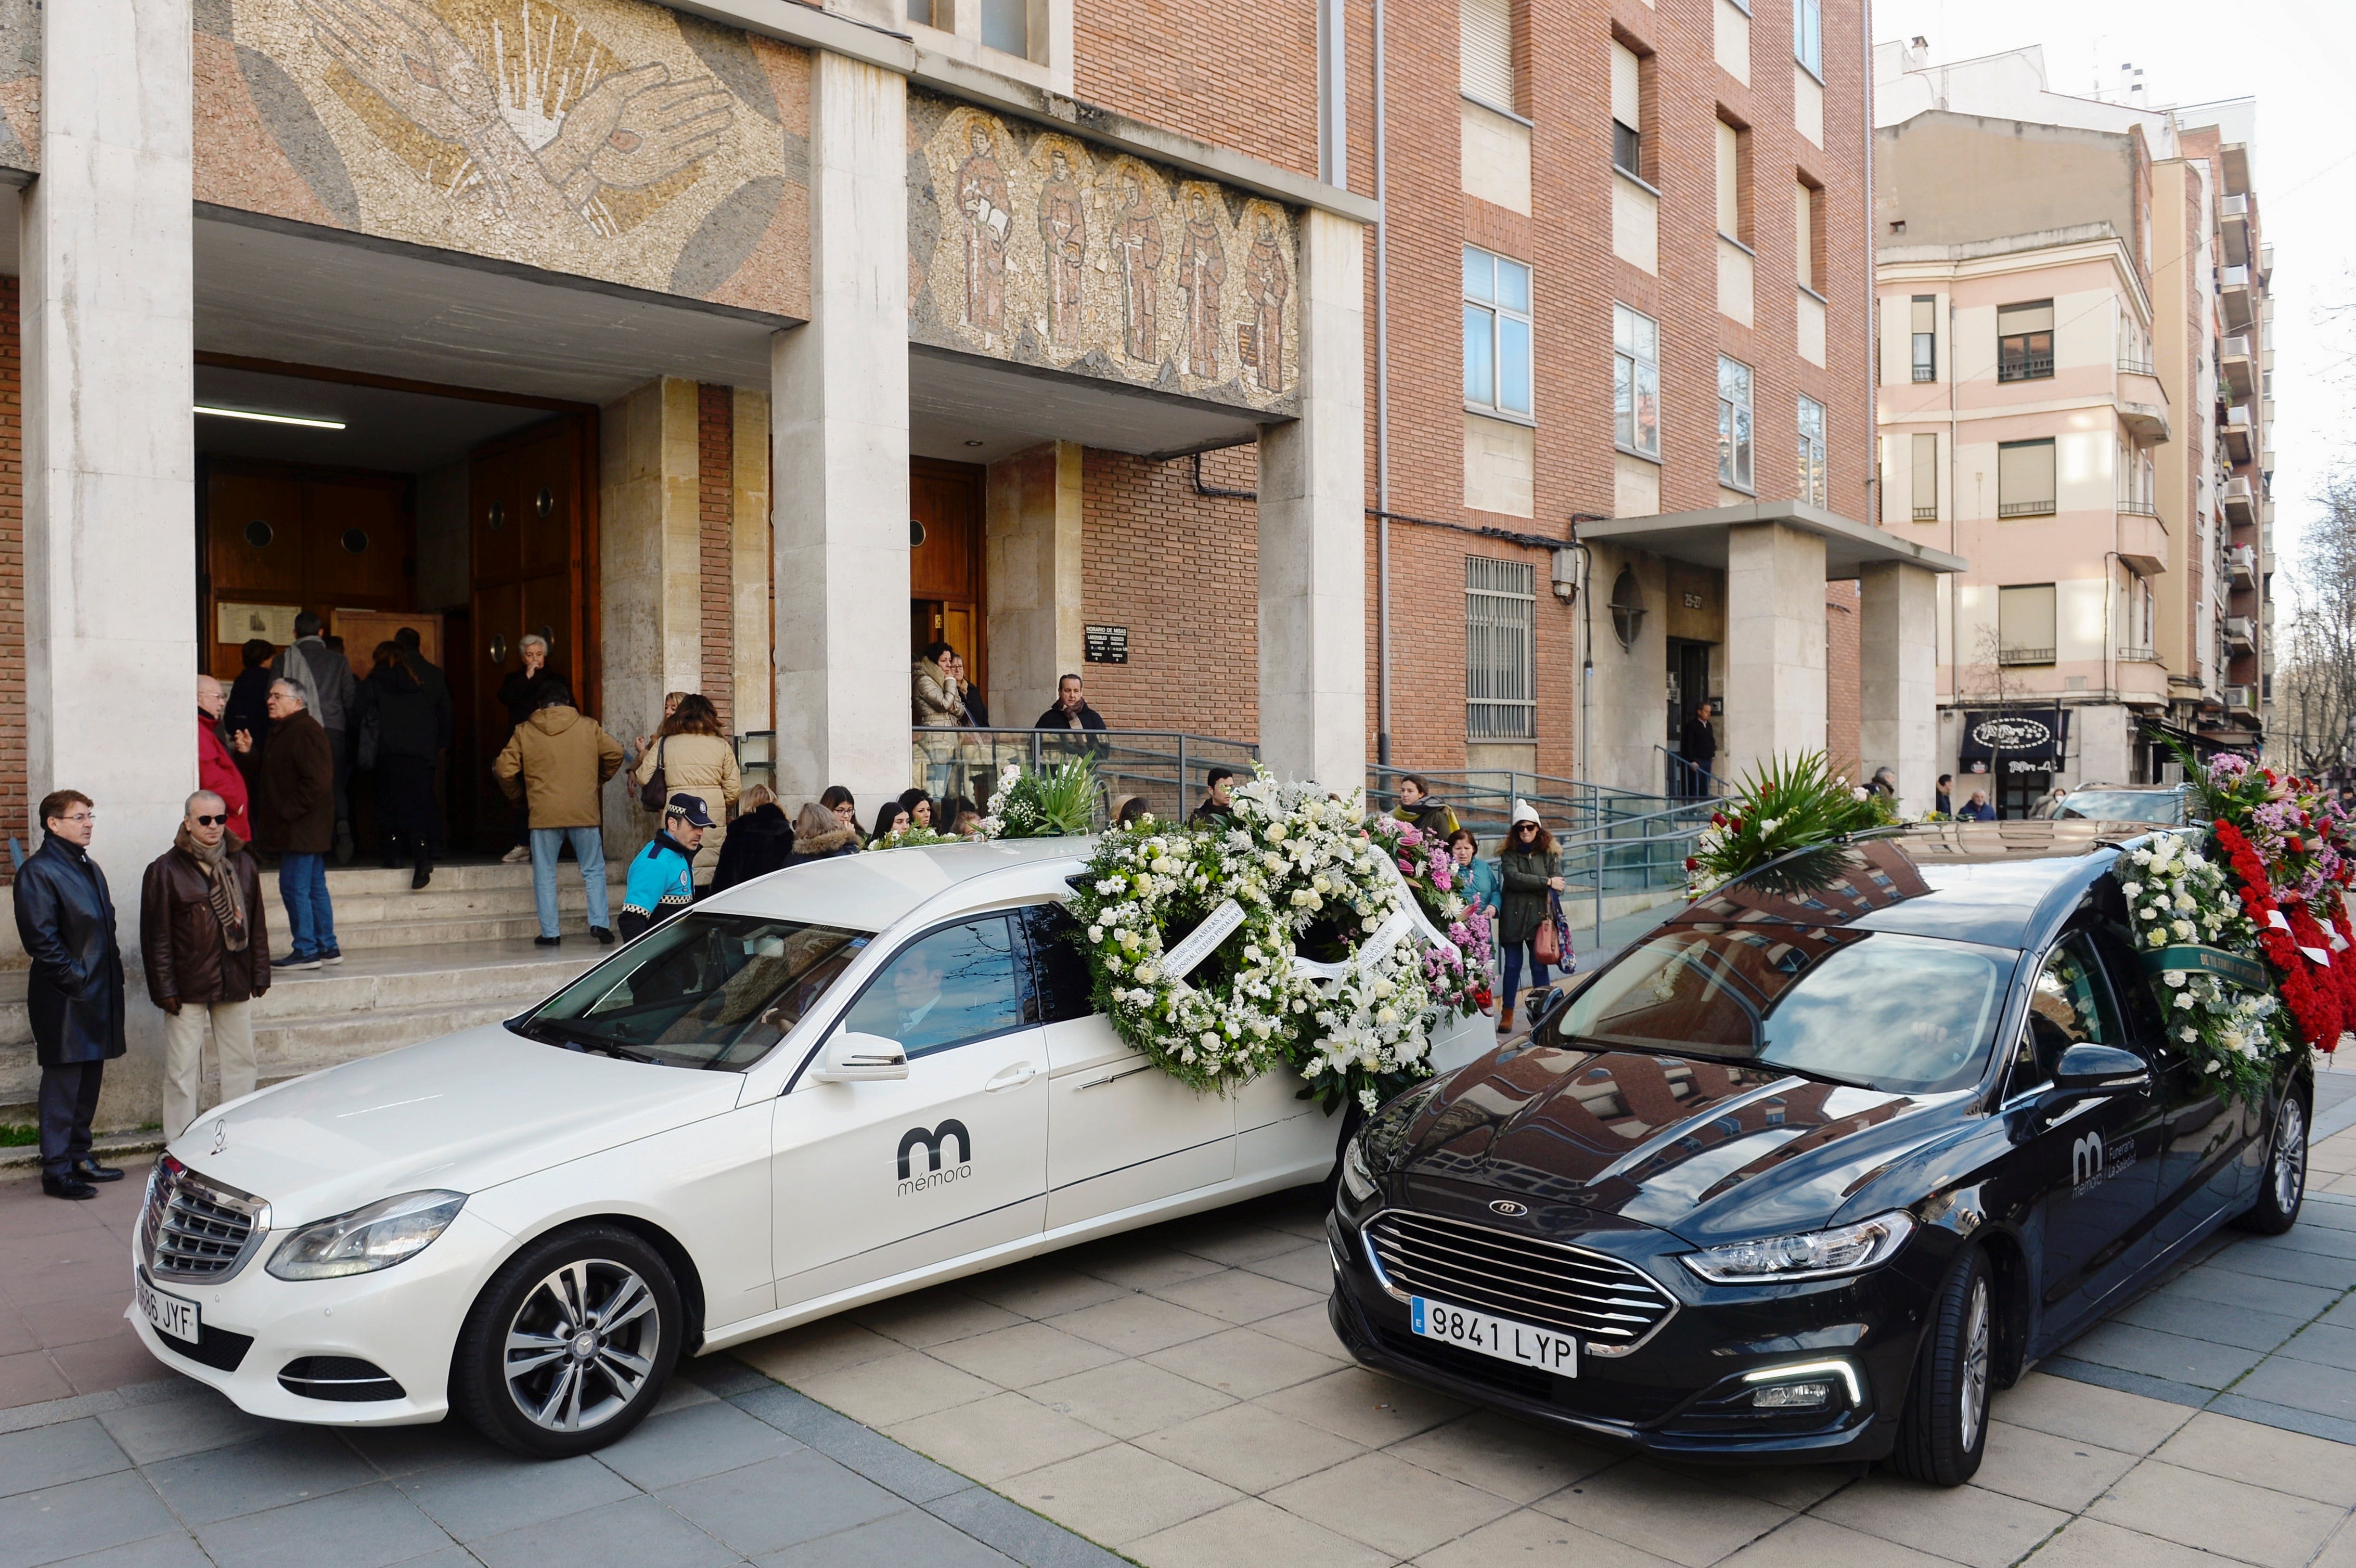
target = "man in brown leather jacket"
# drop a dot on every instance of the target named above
(206, 942)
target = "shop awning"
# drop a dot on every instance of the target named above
(2015, 740)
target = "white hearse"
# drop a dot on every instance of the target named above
(842, 1082)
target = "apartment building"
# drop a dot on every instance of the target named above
(1665, 326)
(2051, 273)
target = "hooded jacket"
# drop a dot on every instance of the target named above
(555, 765)
(818, 834)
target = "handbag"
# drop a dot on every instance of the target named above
(1546, 941)
(655, 794)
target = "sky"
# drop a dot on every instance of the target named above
(2294, 57)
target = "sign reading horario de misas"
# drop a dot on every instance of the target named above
(1030, 245)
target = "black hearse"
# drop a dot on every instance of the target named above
(1815, 1166)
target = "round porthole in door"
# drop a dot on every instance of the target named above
(499, 647)
(356, 541)
(915, 533)
(545, 502)
(499, 515)
(259, 534)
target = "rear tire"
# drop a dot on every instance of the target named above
(570, 1345)
(1943, 1431)
(2282, 1188)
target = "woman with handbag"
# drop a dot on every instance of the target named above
(1531, 869)
(703, 764)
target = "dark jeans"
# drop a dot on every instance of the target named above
(404, 807)
(69, 1101)
(1514, 951)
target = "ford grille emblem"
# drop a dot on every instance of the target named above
(1508, 1208)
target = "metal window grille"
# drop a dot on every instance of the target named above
(1500, 649)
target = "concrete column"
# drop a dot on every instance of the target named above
(1774, 645)
(839, 395)
(750, 546)
(1312, 529)
(651, 573)
(1898, 653)
(1031, 569)
(109, 454)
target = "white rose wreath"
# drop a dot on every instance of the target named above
(1286, 936)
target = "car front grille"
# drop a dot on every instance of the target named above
(194, 1231)
(1609, 1307)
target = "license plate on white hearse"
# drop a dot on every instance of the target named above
(1507, 1340)
(174, 1317)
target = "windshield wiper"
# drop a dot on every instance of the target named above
(1756, 1064)
(553, 1033)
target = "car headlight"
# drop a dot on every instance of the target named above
(1357, 1177)
(1811, 1255)
(378, 1236)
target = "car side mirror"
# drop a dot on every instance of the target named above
(2092, 1072)
(853, 1058)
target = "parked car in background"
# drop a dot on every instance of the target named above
(2165, 806)
(1814, 1168)
(836, 1082)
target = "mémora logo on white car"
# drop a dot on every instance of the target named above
(932, 1140)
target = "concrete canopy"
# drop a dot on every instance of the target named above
(1700, 537)
(967, 408)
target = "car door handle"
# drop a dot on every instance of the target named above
(1012, 1077)
(1117, 1077)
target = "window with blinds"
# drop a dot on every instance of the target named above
(2025, 624)
(2024, 341)
(1500, 649)
(2024, 479)
(1926, 477)
(1485, 51)
(1627, 110)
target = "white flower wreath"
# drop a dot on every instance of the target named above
(2175, 895)
(1218, 1011)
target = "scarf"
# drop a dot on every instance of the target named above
(227, 899)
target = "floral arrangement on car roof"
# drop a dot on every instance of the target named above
(1281, 936)
(913, 837)
(1792, 803)
(1058, 802)
(2287, 845)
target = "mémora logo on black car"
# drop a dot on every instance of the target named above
(932, 1140)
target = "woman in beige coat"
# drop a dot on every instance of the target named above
(694, 753)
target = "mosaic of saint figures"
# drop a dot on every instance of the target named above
(989, 219)
(1064, 229)
(1265, 284)
(1202, 270)
(548, 126)
(1137, 236)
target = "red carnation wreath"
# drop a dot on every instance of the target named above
(2319, 1009)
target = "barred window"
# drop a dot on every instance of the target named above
(1500, 649)
(1812, 451)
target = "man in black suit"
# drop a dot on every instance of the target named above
(65, 918)
(1698, 745)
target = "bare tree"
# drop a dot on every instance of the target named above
(2315, 678)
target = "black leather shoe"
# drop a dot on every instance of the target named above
(419, 877)
(546, 941)
(89, 1169)
(603, 933)
(68, 1187)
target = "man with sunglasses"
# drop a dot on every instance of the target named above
(206, 942)
(65, 917)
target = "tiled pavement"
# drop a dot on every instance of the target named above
(1176, 1396)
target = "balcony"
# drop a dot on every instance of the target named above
(2235, 300)
(2241, 509)
(2009, 656)
(2233, 224)
(2239, 439)
(2241, 565)
(2241, 699)
(2130, 653)
(2236, 368)
(2143, 537)
(2043, 508)
(2241, 634)
(2236, 156)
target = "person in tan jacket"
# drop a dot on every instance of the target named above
(692, 749)
(555, 763)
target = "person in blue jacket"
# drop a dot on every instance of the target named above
(662, 875)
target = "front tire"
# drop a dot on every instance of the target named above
(2282, 1189)
(1943, 1431)
(570, 1345)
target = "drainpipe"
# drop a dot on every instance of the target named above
(1382, 421)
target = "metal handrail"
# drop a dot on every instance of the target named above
(1676, 760)
(1166, 767)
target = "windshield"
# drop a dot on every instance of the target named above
(2165, 806)
(1907, 1014)
(700, 991)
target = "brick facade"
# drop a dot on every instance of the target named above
(715, 492)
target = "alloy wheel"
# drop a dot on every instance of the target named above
(2290, 1154)
(1972, 1395)
(582, 1345)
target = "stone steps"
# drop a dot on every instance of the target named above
(469, 903)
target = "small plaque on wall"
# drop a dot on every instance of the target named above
(243, 623)
(1108, 644)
